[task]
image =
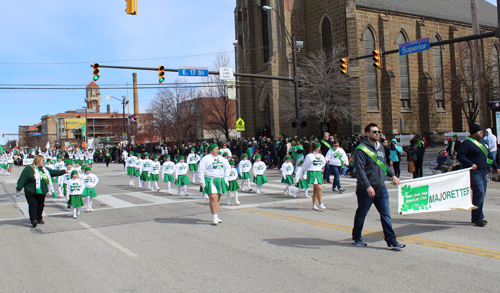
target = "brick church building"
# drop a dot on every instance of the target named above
(414, 88)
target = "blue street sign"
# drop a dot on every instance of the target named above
(37, 134)
(414, 47)
(191, 71)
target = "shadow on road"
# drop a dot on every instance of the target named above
(311, 243)
(189, 221)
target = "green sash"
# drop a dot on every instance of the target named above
(483, 148)
(373, 157)
(337, 155)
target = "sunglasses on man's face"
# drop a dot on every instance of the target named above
(376, 131)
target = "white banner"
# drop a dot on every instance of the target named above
(443, 192)
(27, 162)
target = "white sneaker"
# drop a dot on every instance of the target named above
(228, 203)
(215, 222)
(219, 220)
(75, 217)
(294, 195)
(206, 196)
(238, 203)
(307, 196)
(321, 206)
(90, 209)
(315, 208)
(258, 192)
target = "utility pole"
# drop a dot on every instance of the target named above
(477, 64)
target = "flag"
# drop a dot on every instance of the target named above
(131, 119)
(1, 149)
(47, 146)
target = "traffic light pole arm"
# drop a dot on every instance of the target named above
(210, 72)
(439, 43)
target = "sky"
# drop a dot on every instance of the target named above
(54, 42)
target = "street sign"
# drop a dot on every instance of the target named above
(193, 71)
(240, 125)
(414, 47)
(226, 73)
(37, 134)
(231, 89)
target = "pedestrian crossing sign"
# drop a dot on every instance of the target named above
(240, 125)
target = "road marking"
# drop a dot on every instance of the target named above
(113, 201)
(109, 240)
(150, 197)
(409, 239)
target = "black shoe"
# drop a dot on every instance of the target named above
(341, 190)
(480, 223)
(396, 245)
(358, 242)
(34, 223)
(40, 222)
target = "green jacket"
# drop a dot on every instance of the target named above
(27, 180)
(294, 152)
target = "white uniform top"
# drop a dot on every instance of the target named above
(146, 165)
(79, 169)
(286, 169)
(130, 161)
(299, 174)
(245, 166)
(332, 159)
(155, 168)
(181, 169)
(213, 167)
(59, 165)
(75, 186)
(226, 150)
(233, 174)
(168, 168)
(193, 159)
(314, 162)
(90, 180)
(138, 164)
(259, 168)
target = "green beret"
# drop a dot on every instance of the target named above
(224, 154)
(212, 147)
(59, 157)
(245, 156)
(301, 162)
(78, 162)
(167, 156)
(74, 172)
(88, 169)
(181, 158)
(231, 163)
(318, 145)
(277, 142)
(139, 155)
(146, 155)
(132, 153)
(69, 163)
(454, 135)
(155, 157)
(192, 149)
(257, 156)
(288, 158)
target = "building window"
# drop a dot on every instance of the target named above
(404, 76)
(437, 54)
(494, 69)
(265, 31)
(370, 71)
(326, 35)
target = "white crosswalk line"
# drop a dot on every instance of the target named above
(150, 197)
(113, 201)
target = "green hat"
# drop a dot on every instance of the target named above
(245, 156)
(224, 154)
(59, 157)
(277, 142)
(301, 162)
(155, 157)
(139, 155)
(231, 163)
(181, 158)
(220, 153)
(146, 155)
(288, 158)
(78, 162)
(74, 172)
(454, 135)
(132, 153)
(69, 163)
(88, 169)
(257, 156)
(167, 156)
(192, 149)
(212, 147)
(318, 145)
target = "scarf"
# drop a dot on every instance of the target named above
(39, 175)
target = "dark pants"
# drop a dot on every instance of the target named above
(326, 173)
(381, 201)
(336, 176)
(419, 171)
(107, 162)
(397, 170)
(36, 203)
(478, 184)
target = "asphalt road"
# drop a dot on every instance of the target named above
(142, 241)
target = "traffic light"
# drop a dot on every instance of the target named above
(344, 66)
(131, 7)
(161, 73)
(95, 66)
(377, 59)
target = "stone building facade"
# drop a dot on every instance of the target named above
(405, 87)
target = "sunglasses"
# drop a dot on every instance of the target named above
(376, 131)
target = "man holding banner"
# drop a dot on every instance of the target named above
(371, 172)
(473, 153)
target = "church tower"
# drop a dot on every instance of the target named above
(93, 98)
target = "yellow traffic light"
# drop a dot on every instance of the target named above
(161, 73)
(377, 59)
(131, 7)
(95, 67)
(344, 65)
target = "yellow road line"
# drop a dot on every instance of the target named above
(409, 239)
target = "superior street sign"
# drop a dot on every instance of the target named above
(414, 47)
(193, 71)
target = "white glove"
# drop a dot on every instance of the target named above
(202, 186)
(226, 181)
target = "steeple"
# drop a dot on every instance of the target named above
(93, 97)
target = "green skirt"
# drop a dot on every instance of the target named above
(233, 185)
(182, 180)
(76, 201)
(131, 171)
(145, 176)
(154, 177)
(312, 175)
(91, 161)
(193, 167)
(260, 179)
(10, 165)
(219, 183)
(89, 192)
(137, 173)
(245, 175)
(168, 178)
(302, 184)
(288, 180)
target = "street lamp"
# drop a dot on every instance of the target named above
(294, 45)
(124, 102)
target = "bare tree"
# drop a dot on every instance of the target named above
(325, 90)
(219, 112)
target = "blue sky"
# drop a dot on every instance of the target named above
(55, 41)
(77, 33)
